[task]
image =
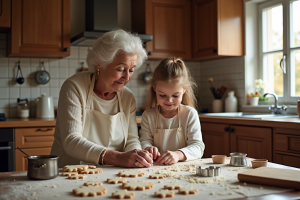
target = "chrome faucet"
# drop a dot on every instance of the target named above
(275, 108)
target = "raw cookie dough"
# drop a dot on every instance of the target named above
(75, 168)
(69, 173)
(187, 190)
(85, 191)
(131, 173)
(157, 176)
(91, 171)
(121, 194)
(172, 186)
(116, 180)
(83, 176)
(164, 193)
(138, 185)
(93, 183)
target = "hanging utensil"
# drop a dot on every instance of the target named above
(282, 64)
(23, 152)
(20, 79)
(147, 76)
(43, 77)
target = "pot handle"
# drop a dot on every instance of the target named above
(38, 167)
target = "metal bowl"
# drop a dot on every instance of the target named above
(238, 159)
(42, 167)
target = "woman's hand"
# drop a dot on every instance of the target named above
(154, 152)
(170, 157)
(130, 158)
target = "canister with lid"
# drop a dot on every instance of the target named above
(23, 108)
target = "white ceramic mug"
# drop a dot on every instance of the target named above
(44, 107)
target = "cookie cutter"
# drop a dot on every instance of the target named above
(211, 171)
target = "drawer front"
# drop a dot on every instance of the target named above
(34, 137)
(288, 143)
(289, 160)
(21, 162)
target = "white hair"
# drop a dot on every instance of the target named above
(110, 44)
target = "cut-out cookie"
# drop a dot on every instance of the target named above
(138, 185)
(157, 176)
(121, 194)
(79, 176)
(164, 193)
(69, 173)
(187, 190)
(93, 183)
(172, 186)
(75, 168)
(91, 171)
(116, 180)
(89, 191)
(92, 167)
(131, 173)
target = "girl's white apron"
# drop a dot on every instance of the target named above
(169, 139)
(105, 130)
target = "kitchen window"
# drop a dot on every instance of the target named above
(279, 48)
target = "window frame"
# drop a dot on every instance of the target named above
(286, 50)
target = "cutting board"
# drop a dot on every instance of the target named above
(277, 177)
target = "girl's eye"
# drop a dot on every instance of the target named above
(175, 96)
(162, 95)
(131, 71)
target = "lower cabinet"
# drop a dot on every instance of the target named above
(225, 138)
(287, 146)
(33, 141)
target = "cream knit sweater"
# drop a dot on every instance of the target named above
(190, 126)
(69, 144)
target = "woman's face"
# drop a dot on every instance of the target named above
(118, 73)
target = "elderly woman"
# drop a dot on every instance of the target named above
(96, 121)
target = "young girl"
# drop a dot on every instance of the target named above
(170, 128)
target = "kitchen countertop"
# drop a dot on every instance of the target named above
(16, 185)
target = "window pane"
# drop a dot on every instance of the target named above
(273, 73)
(272, 29)
(295, 24)
(295, 73)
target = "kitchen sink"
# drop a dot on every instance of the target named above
(248, 115)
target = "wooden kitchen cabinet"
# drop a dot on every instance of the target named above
(5, 11)
(221, 139)
(39, 28)
(287, 146)
(34, 141)
(217, 29)
(169, 21)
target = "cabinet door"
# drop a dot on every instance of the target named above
(169, 21)
(256, 142)
(21, 161)
(40, 28)
(4, 14)
(216, 140)
(289, 160)
(205, 43)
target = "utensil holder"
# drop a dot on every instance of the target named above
(217, 106)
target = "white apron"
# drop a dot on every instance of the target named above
(169, 139)
(105, 130)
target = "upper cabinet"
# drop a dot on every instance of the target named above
(4, 14)
(169, 21)
(218, 28)
(39, 28)
(191, 29)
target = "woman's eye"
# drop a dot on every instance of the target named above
(131, 71)
(162, 95)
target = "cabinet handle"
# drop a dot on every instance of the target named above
(226, 129)
(66, 49)
(215, 51)
(5, 148)
(231, 130)
(48, 129)
(150, 53)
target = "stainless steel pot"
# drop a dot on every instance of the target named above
(238, 159)
(42, 167)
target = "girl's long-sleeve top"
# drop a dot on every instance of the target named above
(190, 125)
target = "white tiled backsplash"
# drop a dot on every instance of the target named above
(228, 72)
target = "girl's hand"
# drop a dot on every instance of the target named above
(154, 151)
(170, 157)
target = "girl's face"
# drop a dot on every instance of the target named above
(169, 94)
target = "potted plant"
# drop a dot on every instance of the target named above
(253, 98)
(260, 86)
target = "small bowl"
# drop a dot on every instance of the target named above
(259, 163)
(218, 159)
(238, 159)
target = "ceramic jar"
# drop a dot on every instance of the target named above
(217, 106)
(230, 102)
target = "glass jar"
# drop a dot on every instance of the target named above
(23, 110)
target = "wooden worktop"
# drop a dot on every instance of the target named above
(274, 122)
